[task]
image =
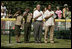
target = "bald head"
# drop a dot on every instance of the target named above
(38, 7)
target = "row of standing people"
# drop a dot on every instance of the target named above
(38, 17)
(59, 14)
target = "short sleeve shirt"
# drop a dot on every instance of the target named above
(58, 12)
(19, 19)
(36, 13)
(49, 21)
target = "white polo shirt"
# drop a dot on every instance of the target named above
(36, 13)
(49, 21)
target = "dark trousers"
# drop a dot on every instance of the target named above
(17, 30)
(27, 30)
(37, 30)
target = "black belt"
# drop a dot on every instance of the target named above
(38, 20)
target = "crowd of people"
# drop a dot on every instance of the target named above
(59, 13)
(38, 16)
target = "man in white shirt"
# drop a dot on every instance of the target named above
(37, 15)
(49, 24)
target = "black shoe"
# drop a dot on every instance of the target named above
(39, 41)
(36, 41)
(26, 41)
(18, 42)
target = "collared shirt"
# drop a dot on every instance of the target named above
(49, 21)
(19, 20)
(28, 17)
(36, 13)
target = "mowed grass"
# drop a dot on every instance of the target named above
(59, 43)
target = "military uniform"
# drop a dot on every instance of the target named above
(27, 27)
(18, 22)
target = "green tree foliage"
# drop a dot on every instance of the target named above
(13, 5)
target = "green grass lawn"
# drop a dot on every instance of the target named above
(59, 43)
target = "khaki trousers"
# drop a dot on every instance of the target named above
(51, 33)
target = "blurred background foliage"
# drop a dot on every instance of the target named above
(13, 5)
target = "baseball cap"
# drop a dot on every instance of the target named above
(65, 5)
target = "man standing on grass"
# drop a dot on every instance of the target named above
(49, 24)
(27, 25)
(37, 15)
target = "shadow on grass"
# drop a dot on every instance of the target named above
(54, 42)
(16, 47)
(41, 42)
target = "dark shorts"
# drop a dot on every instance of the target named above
(17, 30)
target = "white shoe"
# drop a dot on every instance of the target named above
(52, 42)
(45, 41)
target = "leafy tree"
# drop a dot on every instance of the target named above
(13, 5)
